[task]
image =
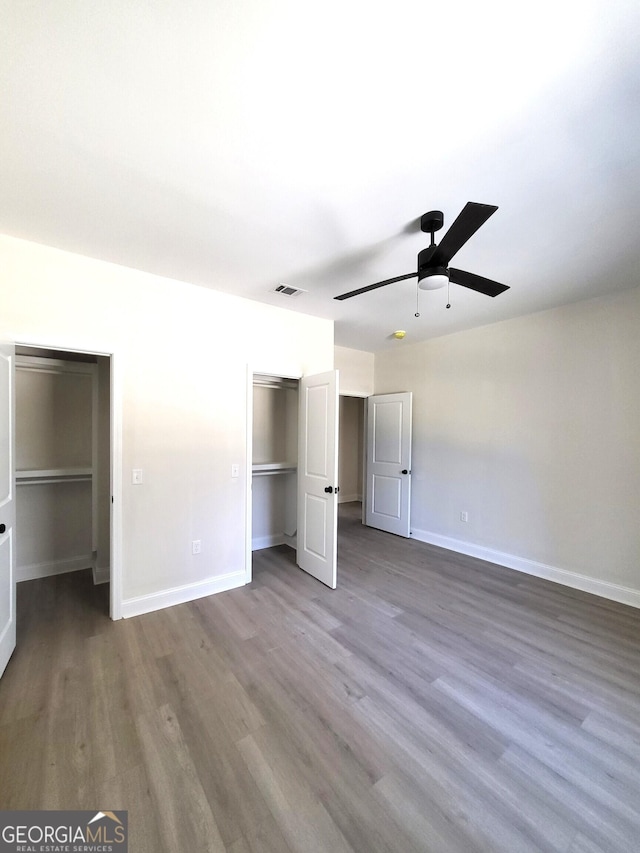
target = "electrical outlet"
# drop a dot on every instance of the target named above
(196, 546)
(464, 516)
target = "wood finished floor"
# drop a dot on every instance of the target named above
(432, 702)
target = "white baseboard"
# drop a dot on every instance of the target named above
(260, 542)
(181, 594)
(575, 580)
(53, 567)
(101, 574)
(347, 499)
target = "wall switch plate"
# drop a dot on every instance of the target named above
(136, 476)
(196, 546)
(235, 470)
(464, 516)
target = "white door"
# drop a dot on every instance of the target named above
(388, 498)
(317, 546)
(7, 506)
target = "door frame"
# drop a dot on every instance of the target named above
(115, 462)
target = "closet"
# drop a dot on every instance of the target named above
(62, 464)
(294, 469)
(274, 479)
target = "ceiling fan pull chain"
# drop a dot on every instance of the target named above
(448, 301)
(417, 314)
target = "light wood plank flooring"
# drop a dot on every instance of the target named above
(433, 702)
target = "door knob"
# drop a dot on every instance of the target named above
(404, 471)
(328, 489)
(3, 527)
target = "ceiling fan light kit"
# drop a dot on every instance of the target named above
(433, 278)
(434, 271)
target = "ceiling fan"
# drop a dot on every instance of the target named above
(433, 262)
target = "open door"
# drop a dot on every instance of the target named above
(317, 545)
(388, 505)
(7, 506)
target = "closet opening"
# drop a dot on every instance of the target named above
(274, 468)
(63, 453)
(292, 481)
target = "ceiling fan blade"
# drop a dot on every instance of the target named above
(470, 218)
(476, 282)
(375, 286)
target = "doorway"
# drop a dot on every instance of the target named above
(351, 455)
(375, 459)
(64, 464)
(300, 450)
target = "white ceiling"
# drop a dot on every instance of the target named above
(239, 144)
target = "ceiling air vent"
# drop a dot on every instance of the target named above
(287, 290)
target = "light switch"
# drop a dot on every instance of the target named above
(136, 476)
(235, 470)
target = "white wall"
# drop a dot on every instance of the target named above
(180, 355)
(356, 371)
(532, 426)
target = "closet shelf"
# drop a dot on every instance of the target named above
(33, 476)
(273, 468)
